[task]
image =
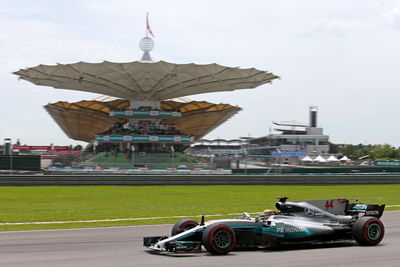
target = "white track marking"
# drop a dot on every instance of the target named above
(137, 219)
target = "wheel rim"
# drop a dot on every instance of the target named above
(223, 239)
(374, 231)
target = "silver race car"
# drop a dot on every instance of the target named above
(293, 222)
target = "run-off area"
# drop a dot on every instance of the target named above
(97, 206)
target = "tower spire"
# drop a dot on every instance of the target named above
(146, 43)
(148, 29)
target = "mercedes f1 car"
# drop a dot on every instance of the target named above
(294, 222)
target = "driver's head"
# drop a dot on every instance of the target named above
(266, 214)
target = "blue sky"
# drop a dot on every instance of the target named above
(342, 56)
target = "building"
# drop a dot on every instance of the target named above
(294, 142)
(217, 147)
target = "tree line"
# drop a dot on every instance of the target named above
(369, 152)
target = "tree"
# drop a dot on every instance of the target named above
(333, 148)
(384, 152)
(77, 147)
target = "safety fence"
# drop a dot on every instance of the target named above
(153, 171)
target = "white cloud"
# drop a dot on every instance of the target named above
(334, 27)
(392, 17)
(344, 26)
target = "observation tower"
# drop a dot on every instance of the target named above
(142, 108)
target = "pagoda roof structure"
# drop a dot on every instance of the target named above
(84, 119)
(145, 80)
(128, 88)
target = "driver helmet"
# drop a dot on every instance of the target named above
(266, 214)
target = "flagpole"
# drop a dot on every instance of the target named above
(147, 24)
(148, 29)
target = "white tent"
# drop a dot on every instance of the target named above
(307, 158)
(320, 159)
(332, 158)
(344, 158)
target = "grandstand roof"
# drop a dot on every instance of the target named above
(144, 80)
(84, 119)
(290, 123)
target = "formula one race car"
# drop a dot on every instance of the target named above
(295, 222)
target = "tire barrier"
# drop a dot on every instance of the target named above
(146, 180)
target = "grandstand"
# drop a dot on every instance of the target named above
(217, 147)
(143, 117)
(143, 159)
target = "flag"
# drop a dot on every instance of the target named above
(148, 29)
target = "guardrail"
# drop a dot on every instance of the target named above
(145, 180)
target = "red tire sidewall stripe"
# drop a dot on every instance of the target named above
(212, 238)
(366, 228)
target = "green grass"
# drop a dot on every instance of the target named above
(62, 203)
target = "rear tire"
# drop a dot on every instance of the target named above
(368, 231)
(219, 239)
(183, 225)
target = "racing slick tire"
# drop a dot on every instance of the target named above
(183, 225)
(368, 231)
(219, 239)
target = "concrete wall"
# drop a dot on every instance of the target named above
(47, 180)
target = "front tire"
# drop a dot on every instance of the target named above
(368, 231)
(183, 225)
(219, 239)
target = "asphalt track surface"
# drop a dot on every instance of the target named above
(122, 246)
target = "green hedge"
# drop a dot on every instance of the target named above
(320, 170)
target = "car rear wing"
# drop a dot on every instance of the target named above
(373, 210)
(338, 206)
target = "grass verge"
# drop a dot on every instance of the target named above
(62, 203)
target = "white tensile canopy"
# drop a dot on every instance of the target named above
(145, 80)
(344, 158)
(332, 158)
(320, 159)
(307, 158)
